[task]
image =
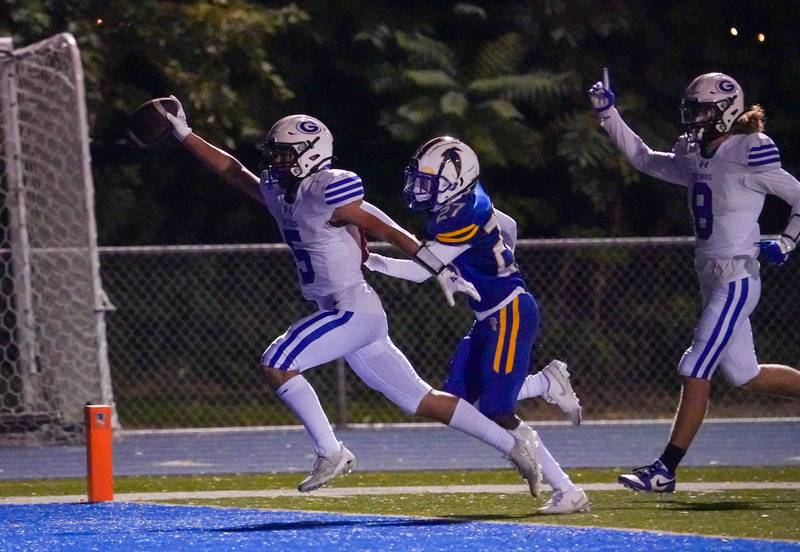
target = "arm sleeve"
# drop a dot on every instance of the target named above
(508, 228)
(380, 215)
(782, 184)
(412, 270)
(445, 253)
(398, 268)
(658, 164)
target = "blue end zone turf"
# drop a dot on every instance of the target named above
(121, 526)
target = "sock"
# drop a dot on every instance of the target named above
(672, 456)
(301, 399)
(551, 470)
(467, 419)
(535, 385)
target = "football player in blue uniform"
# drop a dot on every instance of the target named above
(491, 363)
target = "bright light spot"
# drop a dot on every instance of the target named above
(734, 31)
(99, 21)
(760, 37)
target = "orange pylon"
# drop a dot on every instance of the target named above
(99, 472)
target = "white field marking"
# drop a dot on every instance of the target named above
(343, 492)
(428, 425)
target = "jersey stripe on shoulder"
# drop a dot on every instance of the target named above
(457, 236)
(764, 154)
(343, 191)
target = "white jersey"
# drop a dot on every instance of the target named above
(328, 257)
(725, 193)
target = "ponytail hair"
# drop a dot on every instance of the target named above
(752, 120)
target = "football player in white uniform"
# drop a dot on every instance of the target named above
(728, 166)
(320, 211)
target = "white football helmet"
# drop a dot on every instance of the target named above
(296, 146)
(711, 104)
(442, 170)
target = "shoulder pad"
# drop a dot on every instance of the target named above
(337, 187)
(459, 222)
(756, 151)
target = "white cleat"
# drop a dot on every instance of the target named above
(571, 501)
(559, 391)
(523, 456)
(326, 468)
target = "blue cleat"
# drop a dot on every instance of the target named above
(655, 478)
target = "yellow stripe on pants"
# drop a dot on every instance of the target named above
(498, 352)
(512, 344)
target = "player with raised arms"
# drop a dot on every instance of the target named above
(320, 210)
(490, 365)
(728, 166)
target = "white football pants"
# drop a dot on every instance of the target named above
(362, 339)
(723, 337)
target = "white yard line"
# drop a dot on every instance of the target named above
(343, 492)
(428, 425)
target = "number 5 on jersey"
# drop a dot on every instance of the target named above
(301, 256)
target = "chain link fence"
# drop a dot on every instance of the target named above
(191, 322)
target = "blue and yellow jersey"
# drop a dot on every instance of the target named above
(489, 263)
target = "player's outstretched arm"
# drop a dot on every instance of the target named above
(378, 224)
(403, 269)
(218, 161)
(658, 164)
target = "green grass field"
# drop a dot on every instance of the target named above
(762, 513)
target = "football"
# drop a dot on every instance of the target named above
(148, 125)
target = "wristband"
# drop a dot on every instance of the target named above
(793, 228)
(427, 259)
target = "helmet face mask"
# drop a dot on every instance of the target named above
(441, 171)
(702, 119)
(296, 146)
(420, 188)
(710, 107)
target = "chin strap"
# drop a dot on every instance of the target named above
(708, 134)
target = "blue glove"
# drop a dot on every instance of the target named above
(602, 98)
(776, 251)
(600, 94)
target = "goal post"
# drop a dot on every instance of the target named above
(52, 306)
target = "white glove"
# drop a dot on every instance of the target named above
(180, 128)
(375, 262)
(451, 283)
